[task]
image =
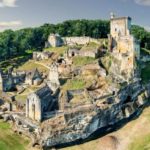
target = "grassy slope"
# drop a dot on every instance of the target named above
(10, 140)
(31, 65)
(80, 61)
(58, 50)
(15, 62)
(141, 139)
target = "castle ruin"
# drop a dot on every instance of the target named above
(123, 45)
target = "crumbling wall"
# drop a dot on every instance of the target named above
(33, 107)
(79, 40)
(81, 123)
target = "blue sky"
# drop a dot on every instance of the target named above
(17, 14)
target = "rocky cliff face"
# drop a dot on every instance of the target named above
(81, 122)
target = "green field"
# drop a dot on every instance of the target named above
(9, 140)
(141, 143)
(80, 61)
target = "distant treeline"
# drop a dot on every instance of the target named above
(15, 43)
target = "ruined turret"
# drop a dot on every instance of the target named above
(53, 77)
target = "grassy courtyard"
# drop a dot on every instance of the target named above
(10, 140)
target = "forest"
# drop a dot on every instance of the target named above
(16, 43)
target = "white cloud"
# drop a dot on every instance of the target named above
(143, 2)
(10, 24)
(8, 3)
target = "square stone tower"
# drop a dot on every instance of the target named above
(120, 38)
(123, 45)
(120, 27)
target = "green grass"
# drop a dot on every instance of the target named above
(10, 140)
(142, 143)
(21, 98)
(59, 50)
(31, 65)
(107, 61)
(80, 61)
(15, 62)
(29, 52)
(90, 46)
(145, 73)
(74, 84)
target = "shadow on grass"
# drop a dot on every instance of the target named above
(14, 62)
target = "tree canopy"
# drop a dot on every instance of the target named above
(15, 43)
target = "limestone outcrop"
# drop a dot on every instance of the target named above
(82, 121)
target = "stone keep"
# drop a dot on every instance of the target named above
(120, 36)
(123, 45)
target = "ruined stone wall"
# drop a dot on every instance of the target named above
(33, 107)
(120, 27)
(54, 40)
(125, 44)
(76, 40)
(81, 124)
(79, 40)
(41, 55)
(128, 44)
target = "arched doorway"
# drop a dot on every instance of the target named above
(33, 111)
